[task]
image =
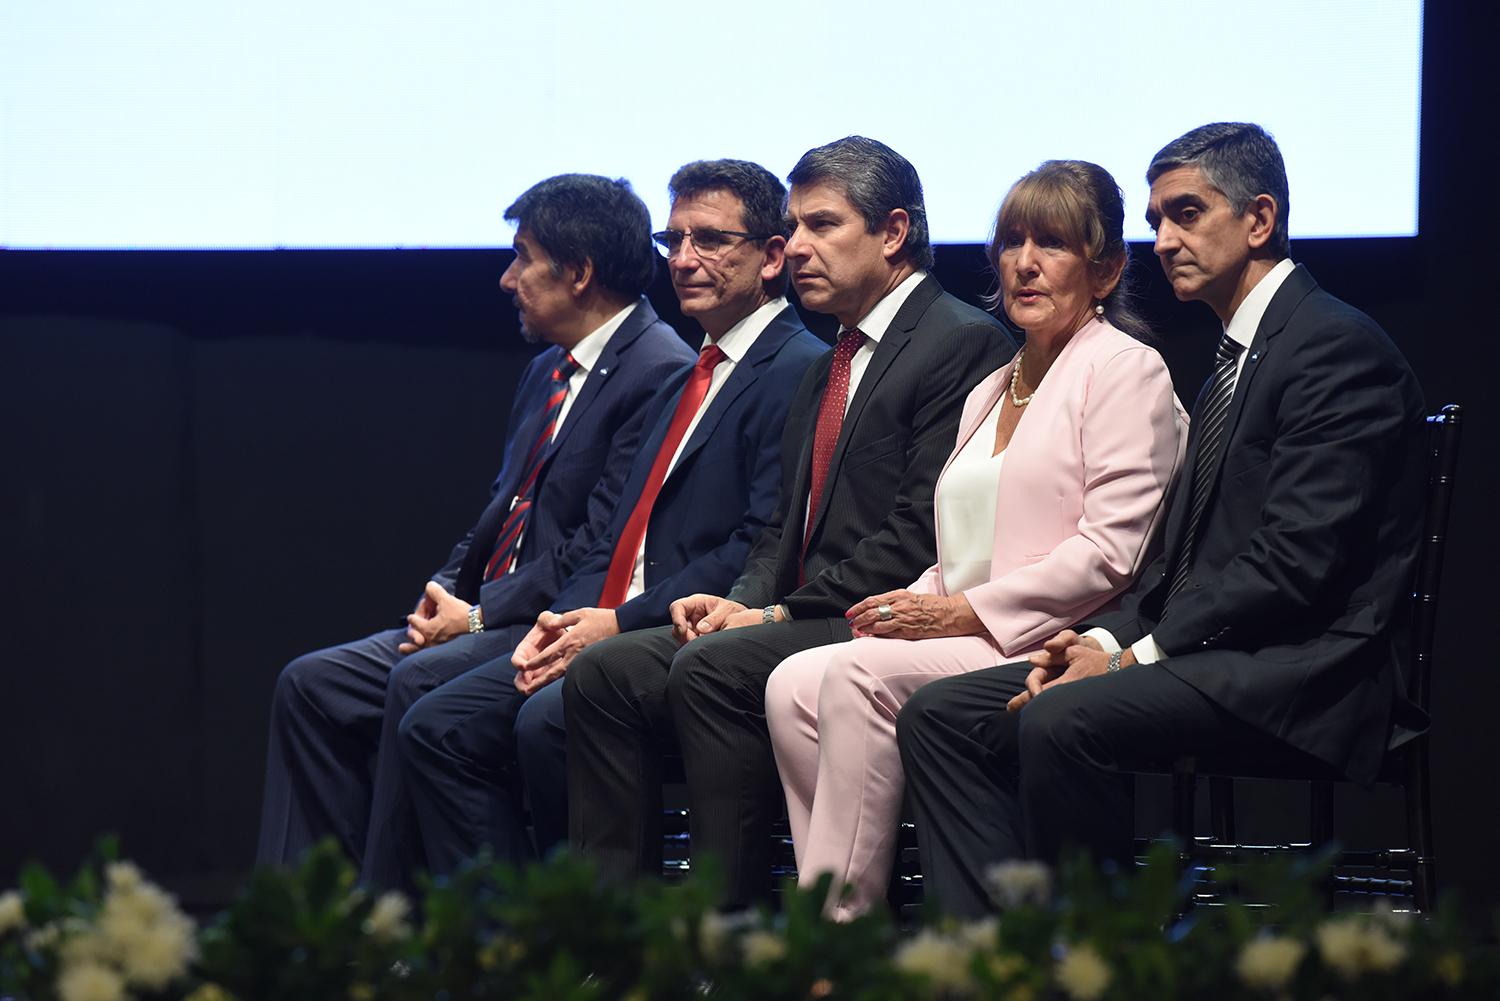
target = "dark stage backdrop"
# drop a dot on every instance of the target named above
(215, 461)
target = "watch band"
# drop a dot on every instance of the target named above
(1114, 661)
(476, 619)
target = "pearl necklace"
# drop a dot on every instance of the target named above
(1015, 380)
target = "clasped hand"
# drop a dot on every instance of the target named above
(437, 618)
(544, 654)
(1065, 658)
(708, 613)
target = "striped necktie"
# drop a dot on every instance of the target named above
(510, 533)
(622, 564)
(1210, 420)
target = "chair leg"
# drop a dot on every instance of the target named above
(1321, 813)
(1419, 828)
(1221, 809)
(1184, 804)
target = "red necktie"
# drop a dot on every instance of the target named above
(622, 563)
(510, 532)
(830, 422)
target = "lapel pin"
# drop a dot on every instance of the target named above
(603, 372)
(1255, 356)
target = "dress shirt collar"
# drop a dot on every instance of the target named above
(738, 339)
(1246, 320)
(877, 320)
(587, 351)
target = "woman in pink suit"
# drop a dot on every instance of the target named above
(1044, 512)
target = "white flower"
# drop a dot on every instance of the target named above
(1353, 945)
(83, 946)
(981, 934)
(762, 948)
(1013, 884)
(131, 909)
(161, 954)
(1270, 961)
(387, 921)
(1082, 973)
(122, 876)
(942, 960)
(12, 912)
(90, 982)
(44, 937)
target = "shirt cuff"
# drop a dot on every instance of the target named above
(1105, 637)
(1146, 651)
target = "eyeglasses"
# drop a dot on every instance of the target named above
(707, 243)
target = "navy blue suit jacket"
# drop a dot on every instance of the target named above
(582, 475)
(723, 490)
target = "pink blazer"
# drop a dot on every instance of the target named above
(1082, 490)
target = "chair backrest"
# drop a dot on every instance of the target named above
(1442, 466)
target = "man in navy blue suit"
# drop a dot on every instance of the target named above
(583, 261)
(704, 484)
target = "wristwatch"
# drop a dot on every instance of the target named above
(476, 619)
(768, 615)
(1114, 661)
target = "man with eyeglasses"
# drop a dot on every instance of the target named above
(867, 435)
(703, 486)
(583, 260)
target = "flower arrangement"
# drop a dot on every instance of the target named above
(557, 932)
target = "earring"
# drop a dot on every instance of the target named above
(1099, 310)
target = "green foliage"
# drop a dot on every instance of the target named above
(557, 932)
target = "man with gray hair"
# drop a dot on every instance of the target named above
(1268, 629)
(866, 437)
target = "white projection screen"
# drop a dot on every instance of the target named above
(378, 124)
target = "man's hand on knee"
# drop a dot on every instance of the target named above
(703, 613)
(544, 655)
(438, 617)
(1065, 657)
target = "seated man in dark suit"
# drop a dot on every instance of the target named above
(583, 260)
(867, 434)
(1271, 624)
(703, 487)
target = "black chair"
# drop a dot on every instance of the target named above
(1405, 766)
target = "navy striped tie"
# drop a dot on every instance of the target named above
(1210, 421)
(510, 533)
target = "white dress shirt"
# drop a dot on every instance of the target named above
(735, 343)
(966, 508)
(1242, 327)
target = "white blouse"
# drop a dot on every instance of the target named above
(966, 508)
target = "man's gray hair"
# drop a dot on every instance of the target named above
(876, 180)
(1242, 161)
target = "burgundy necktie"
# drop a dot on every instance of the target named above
(622, 563)
(510, 533)
(830, 423)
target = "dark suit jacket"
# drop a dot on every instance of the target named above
(874, 530)
(723, 490)
(1293, 618)
(582, 475)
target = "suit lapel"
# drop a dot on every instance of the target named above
(1291, 293)
(896, 337)
(1280, 309)
(635, 324)
(745, 375)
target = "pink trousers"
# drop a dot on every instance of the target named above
(832, 714)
